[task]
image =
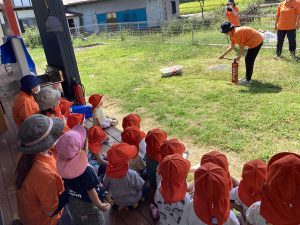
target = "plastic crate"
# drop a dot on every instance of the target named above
(83, 109)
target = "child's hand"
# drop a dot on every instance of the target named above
(104, 207)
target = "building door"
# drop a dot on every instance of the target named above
(174, 9)
(71, 23)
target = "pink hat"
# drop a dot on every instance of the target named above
(71, 160)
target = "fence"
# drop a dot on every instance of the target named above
(191, 30)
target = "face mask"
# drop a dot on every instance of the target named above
(36, 90)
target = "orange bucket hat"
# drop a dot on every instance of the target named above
(220, 160)
(170, 147)
(211, 197)
(154, 140)
(65, 107)
(75, 119)
(280, 204)
(174, 170)
(96, 136)
(133, 136)
(94, 100)
(118, 157)
(131, 120)
(253, 179)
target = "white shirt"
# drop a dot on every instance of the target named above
(170, 214)
(253, 216)
(190, 218)
(234, 195)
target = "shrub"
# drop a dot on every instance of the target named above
(32, 37)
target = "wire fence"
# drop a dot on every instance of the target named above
(191, 30)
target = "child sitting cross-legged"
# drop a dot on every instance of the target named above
(280, 201)
(211, 203)
(249, 190)
(154, 139)
(125, 185)
(171, 195)
(169, 147)
(80, 179)
(134, 136)
(99, 117)
(131, 119)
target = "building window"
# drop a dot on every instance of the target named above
(174, 10)
(111, 17)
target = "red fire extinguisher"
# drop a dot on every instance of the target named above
(235, 72)
(79, 92)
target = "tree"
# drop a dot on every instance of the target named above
(201, 2)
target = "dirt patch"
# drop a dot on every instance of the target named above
(112, 108)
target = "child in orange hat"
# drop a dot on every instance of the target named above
(65, 106)
(169, 147)
(134, 136)
(131, 120)
(125, 185)
(280, 203)
(211, 204)
(99, 117)
(96, 136)
(171, 196)
(154, 140)
(250, 188)
(75, 119)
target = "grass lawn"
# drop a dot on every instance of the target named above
(255, 121)
(209, 5)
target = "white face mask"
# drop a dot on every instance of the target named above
(36, 89)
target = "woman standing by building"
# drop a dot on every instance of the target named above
(286, 23)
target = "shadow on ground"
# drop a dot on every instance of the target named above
(258, 87)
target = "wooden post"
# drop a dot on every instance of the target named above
(57, 45)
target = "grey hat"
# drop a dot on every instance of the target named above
(47, 98)
(38, 133)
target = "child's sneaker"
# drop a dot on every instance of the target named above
(154, 211)
(277, 57)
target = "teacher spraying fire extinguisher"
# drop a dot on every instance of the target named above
(243, 37)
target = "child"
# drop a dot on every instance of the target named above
(169, 147)
(96, 137)
(171, 196)
(99, 118)
(131, 120)
(125, 185)
(250, 188)
(232, 13)
(79, 178)
(219, 159)
(65, 106)
(75, 119)
(211, 204)
(134, 136)
(280, 202)
(154, 140)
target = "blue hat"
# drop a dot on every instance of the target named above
(232, 1)
(28, 82)
(226, 27)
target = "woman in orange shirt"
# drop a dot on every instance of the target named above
(286, 23)
(232, 13)
(244, 37)
(39, 188)
(24, 104)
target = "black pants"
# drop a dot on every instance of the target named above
(250, 59)
(291, 35)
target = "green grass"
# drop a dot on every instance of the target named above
(210, 5)
(255, 121)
